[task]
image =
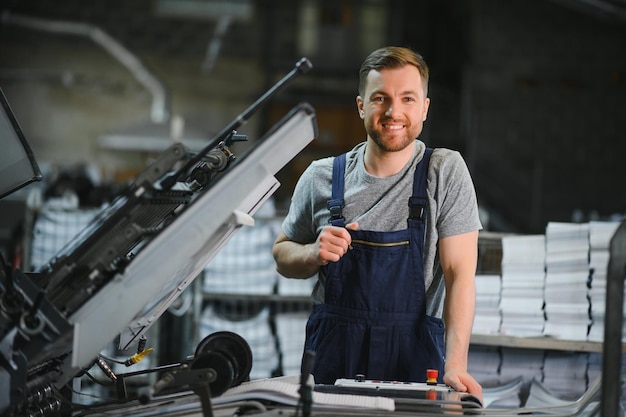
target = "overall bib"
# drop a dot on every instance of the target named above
(374, 321)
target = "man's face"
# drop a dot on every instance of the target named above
(394, 107)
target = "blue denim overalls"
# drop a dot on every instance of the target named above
(374, 321)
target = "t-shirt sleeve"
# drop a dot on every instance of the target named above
(298, 224)
(457, 202)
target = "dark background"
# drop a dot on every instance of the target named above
(531, 92)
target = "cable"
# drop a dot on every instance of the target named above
(97, 381)
(110, 359)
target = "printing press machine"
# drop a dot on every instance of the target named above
(111, 281)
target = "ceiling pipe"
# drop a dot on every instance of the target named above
(213, 50)
(612, 9)
(225, 13)
(160, 112)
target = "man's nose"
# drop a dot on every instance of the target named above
(392, 105)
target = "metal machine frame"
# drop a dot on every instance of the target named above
(136, 257)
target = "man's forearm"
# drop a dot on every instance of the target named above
(295, 260)
(459, 318)
(458, 255)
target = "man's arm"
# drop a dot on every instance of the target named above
(458, 257)
(297, 260)
(294, 260)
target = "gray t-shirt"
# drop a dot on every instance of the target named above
(381, 204)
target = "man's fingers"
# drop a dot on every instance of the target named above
(334, 242)
(353, 226)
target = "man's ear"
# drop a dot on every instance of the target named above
(359, 106)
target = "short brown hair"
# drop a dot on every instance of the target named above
(392, 57)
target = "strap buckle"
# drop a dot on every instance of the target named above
(417, 208)
(336, 212)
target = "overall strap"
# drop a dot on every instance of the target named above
(418, 201)
(336, 203)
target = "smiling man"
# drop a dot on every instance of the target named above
(391, 229)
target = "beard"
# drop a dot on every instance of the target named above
(391, 142)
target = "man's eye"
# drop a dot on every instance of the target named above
(379, 99)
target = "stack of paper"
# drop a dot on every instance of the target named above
(594, 373)
(487, 317)
(594, 367)
(294, 286)
(244, 265)
(523, 275)
(542, 401)
(290, 333)
(567, 280)
(282, 391)
(483, 363)
(56, 225)
(507, 395)
(524, 363)
(600, 234)
(565, 373)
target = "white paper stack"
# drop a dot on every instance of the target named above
(245, 264)
(524, 363)
(523, 276)
(594, 372)
(567, 280)
(57, 223)
(565, 373)
(290, 332)
(487, 317)
(541, 398)
(281, 391)
(483, 363)
(296, 287)
(600, 234)
(505, 395)
(594, 366)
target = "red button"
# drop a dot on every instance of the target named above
(432, 374)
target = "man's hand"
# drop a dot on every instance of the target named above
(463, 382)
(333, 242)
(297, 260)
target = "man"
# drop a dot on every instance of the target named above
(392, 234)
